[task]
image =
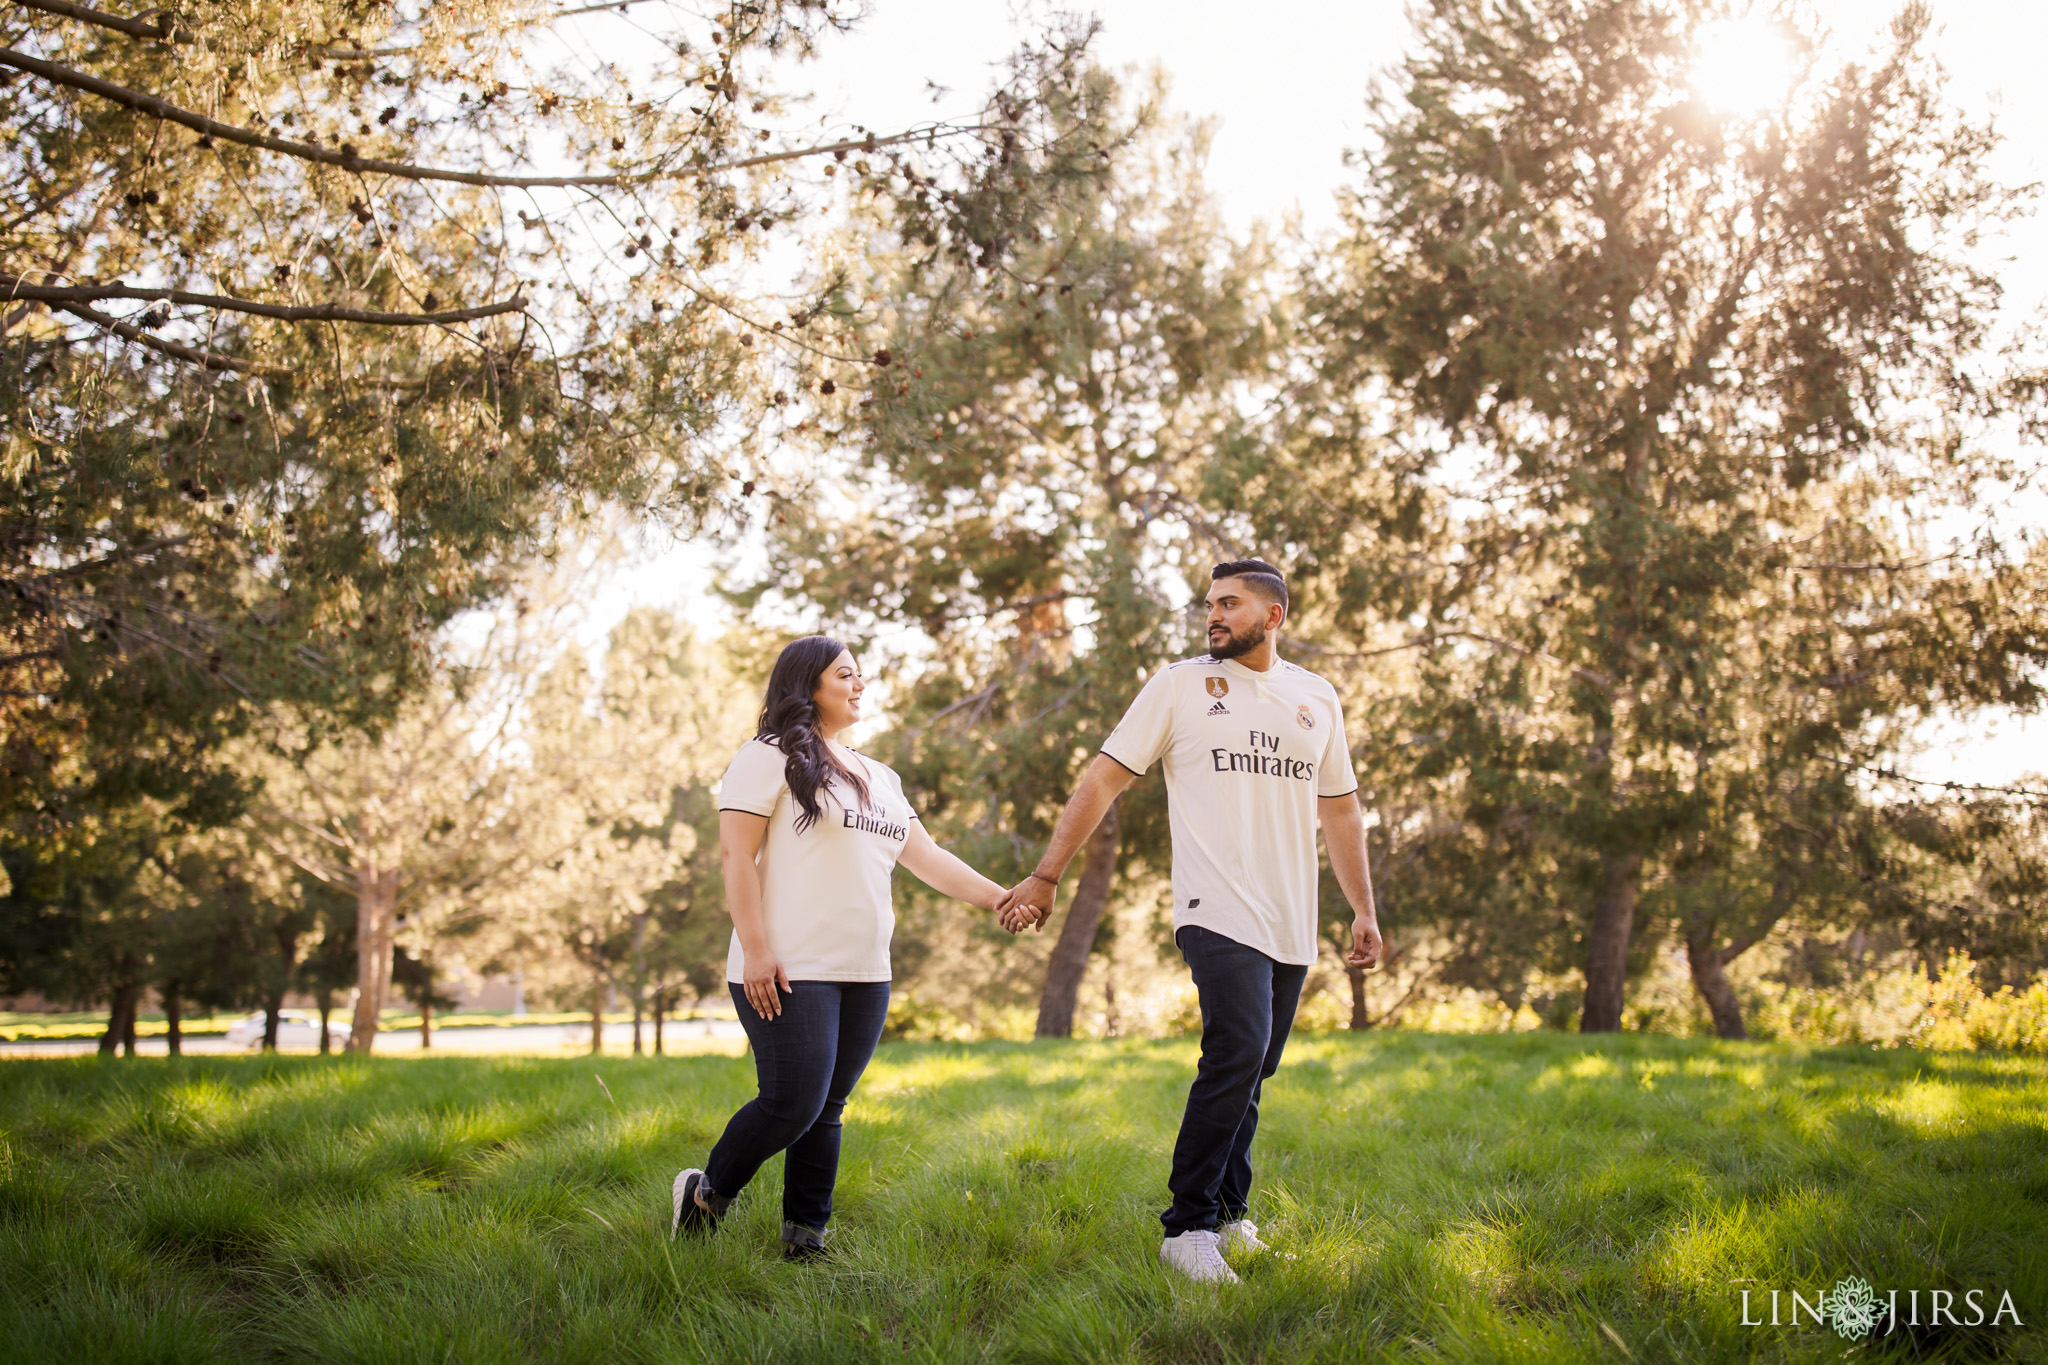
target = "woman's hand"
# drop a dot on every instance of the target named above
(1028, 904)
(765, 983)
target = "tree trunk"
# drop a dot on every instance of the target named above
(287, 959)
(427, 1017)
(656, 1005)
(597, 1013)
(174, 1041)
(1361, 1018)
(273, 1007)
(1711, 980)
(376, 920)
(324, 999)
(128, 1022)
(1077, 935)
(120, 1020)
(639, 974)
(1614, 917)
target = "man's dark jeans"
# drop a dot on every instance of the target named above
(1248, 1003)
(807, 1059)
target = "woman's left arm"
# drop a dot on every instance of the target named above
(944, 873)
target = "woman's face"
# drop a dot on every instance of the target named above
(838, 694)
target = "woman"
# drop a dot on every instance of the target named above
(809, 832)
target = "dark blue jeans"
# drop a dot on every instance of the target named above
(1248, 1002)
(807, 1059)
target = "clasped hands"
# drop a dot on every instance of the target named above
(1027, 905)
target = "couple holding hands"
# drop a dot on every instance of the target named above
(810, 832)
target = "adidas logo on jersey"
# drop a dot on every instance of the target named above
(1219, 709)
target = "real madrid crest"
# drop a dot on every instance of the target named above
(1216, 687)
(1304, 719)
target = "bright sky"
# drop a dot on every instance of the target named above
(1285, 83)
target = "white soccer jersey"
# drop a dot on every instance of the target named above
(1247, 754)
(825, 892)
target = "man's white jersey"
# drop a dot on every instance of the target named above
(1247, 754)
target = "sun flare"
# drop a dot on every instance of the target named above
(1742, 66)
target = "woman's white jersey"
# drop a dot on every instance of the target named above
(1247, 755)
(824, 892)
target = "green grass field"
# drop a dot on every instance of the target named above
(1521, 1197)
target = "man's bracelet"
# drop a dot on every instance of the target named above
(1049, 881)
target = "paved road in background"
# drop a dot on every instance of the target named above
(544, 1040)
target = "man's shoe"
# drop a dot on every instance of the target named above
(1241, 1235)
(1194, 1254)
(686, 1212)
(801, 1243)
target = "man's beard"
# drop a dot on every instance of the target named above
(1238, 644)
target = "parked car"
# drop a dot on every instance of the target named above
(295, 1028)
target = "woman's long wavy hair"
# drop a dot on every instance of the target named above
(789, 721)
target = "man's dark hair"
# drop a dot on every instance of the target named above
(1263, 577)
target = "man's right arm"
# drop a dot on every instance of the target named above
(1029, 902)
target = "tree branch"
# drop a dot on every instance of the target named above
(211, 360)
(1429, 638)
(85, 566)
(1879, 566)
(168, 33)
(347, 158)
(1891, 774)
(134, 28)
(357, 54)
(176, 350)
(13, 286)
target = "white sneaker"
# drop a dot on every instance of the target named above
(1194, 1255)
(1240, 1236)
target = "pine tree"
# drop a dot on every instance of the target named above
(1665, 403)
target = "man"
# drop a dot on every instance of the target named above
(1255, 756)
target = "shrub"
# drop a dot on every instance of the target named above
(1959, 1017)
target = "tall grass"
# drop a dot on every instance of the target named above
(1511, 1197)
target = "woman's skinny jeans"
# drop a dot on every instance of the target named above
(808, 1059)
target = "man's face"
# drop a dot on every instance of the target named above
(1239, 619)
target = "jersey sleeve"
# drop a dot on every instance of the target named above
(1147, 727)
(753, 780)
(1334, 775)
(895, 780)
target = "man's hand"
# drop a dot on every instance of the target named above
(1365, 944)
(1027, 905)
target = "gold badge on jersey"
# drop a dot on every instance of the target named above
(1217, 687)
(1304, 719)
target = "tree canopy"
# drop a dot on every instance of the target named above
(1675, 401)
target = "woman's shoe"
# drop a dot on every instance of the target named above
(800, 1243)
(690, 1211)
